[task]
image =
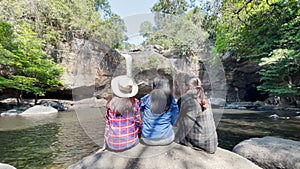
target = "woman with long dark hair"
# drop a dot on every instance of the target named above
(159, 112)
(195, 125)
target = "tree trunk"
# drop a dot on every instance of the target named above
(35, 99)
(18, 99)
(21, 102)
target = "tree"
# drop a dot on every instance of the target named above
(146, 28)
(40, 27)
(176, 7)
(58, 21)
(25, 67)
(181, 33)
(266, 32)
(279, 70)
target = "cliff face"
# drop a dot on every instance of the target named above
(242, 80)
(90, 66)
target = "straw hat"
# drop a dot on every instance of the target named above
(124, 85)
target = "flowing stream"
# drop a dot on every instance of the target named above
(56, 141)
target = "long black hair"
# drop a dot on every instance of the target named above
(161, 95)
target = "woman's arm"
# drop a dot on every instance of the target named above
(174, 110)
(138, 119)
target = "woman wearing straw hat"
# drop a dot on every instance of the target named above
(159, 112)
(123, 120)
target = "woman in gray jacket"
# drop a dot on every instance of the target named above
(195, 124)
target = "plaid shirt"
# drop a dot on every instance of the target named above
(121, 131)
(196, 128)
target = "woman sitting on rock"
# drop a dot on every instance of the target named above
(123, 119)
(159, 112)
(195, 125)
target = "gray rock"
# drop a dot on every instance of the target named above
(12, 112)
(172, 156)
(242, 108)
(217, 102)
(231, 106)
(39, 110)
(263, 108)
(274, 116)
(158, 47)
(6, 166)
(271, 152)
(55, 104)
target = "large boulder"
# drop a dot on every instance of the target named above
(271, 152)
(173, 156)
(39, 110)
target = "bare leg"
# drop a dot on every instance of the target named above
(102, 149)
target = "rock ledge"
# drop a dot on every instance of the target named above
(173, 156)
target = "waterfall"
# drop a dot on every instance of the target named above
(128, 59)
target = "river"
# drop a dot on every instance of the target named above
(56, 141)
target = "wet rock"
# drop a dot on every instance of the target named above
(55, 104)
(11, 112)
(274, 116)
(242, 108)
(240, 105)
(263, 108)
(271, 152)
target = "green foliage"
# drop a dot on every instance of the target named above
(57, 21)
(153, 61)
(23, 65)
(146, 28)
(250, 28)
(182, 33)
(39, 28)
(111, 31)
(171, 6)
(278, 72)
(268, 32)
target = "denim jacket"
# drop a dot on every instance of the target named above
(157, 126)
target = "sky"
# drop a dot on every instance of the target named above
(131, 7)
(133, 12)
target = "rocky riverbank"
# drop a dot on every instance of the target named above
(8, 107)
